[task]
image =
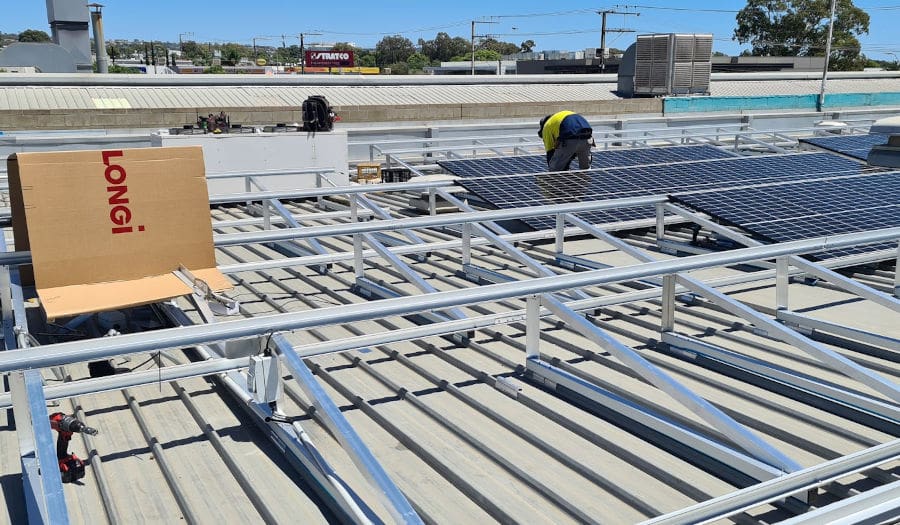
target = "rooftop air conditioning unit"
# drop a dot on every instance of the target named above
(672, 64)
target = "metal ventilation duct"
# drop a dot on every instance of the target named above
(672, 64)
(69, 27)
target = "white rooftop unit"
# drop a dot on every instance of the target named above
(288, 160)
(673, 64)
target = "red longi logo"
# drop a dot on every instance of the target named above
(117, 191)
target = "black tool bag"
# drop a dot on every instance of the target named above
(317, 114)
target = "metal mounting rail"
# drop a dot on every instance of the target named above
(24, 257)
(878, 505)
(779, 488)
(750, 442)
(269, 173)
(825, 355)
(325, 192)
(300, 452)
(809, 267)
(41, 481)
(78, 351)
(392, 498)
(214, 366)
(864, 409)
(314, 244)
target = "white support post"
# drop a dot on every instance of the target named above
(660, 222)
(533, 326)
(560, 232)
(432, 202)
(267, 214)
(782, 282)
(320, 200)
(668, 303)
(247, 189)
(358, 265)
(897, 273)
(467, 243)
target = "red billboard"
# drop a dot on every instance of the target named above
(329, 58)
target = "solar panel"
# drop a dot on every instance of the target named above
(512, 191)
(807, 209)
(599, 159)
(857, 146)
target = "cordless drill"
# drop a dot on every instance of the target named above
(71, 467)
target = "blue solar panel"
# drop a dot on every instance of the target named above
(512, 191)
(599, 159)
(857, 146)
(807, 209)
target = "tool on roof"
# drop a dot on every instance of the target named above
(71, 467)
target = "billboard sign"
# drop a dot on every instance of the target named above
(329, 58)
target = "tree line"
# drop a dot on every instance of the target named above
(770, 27)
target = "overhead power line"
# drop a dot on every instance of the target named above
(689, 9)
(555, 13)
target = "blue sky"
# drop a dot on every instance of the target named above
(554, 25)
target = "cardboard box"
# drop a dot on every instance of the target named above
(107, 228)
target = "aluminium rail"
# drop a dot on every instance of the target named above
(582, 304)
(79, 351)
(775, 489)
(285, 234)
(218, 365)
(737, 136)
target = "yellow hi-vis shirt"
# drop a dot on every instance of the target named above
(550, 134)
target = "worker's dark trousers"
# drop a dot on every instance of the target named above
(567, 150)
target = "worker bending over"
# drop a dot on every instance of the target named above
(566, 135)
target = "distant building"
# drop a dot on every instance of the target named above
(482, 67)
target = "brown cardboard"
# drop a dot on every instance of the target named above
(107, 228)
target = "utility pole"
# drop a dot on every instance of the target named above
(181, 42)
(820, 103)
(604, 53)
(302, 54)
(479, 36)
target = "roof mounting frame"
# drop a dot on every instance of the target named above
(41, 482)
(834, 360)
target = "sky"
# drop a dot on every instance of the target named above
(568, 26)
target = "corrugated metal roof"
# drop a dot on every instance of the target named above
(25, 98)
(537, 458)
(461, 450)
(21, 98)
(750, 88)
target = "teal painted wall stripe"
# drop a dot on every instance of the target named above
(832, 100)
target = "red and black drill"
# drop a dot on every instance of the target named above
(71, 467)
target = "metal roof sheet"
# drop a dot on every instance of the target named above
(26, 98)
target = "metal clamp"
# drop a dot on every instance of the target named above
(218, 303)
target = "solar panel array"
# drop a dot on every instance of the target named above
(857, 146)
(599, 159)
(514, 191)
(807, 209)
